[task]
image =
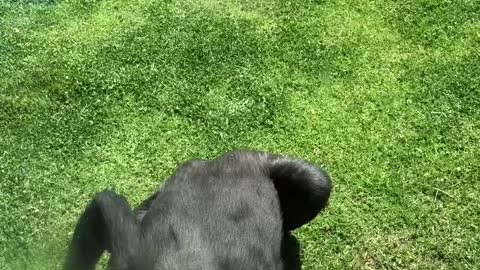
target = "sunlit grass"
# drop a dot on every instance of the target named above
(385, 95)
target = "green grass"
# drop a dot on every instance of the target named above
(384, 94)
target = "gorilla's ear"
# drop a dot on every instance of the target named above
(303, 188)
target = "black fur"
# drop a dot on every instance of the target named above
(232, 213)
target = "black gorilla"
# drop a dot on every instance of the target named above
(232, 213)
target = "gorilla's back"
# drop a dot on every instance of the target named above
(223, 213)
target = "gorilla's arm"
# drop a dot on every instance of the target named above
(303, 189)
(106, 223)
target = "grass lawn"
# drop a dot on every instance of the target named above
(116, 93)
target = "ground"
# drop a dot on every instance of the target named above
(384, 94)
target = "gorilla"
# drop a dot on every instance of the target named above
(232, 213)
